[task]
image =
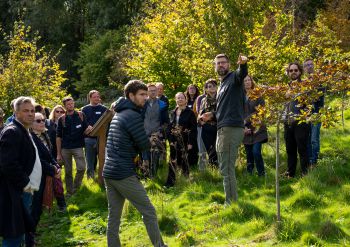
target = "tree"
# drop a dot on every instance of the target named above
(273, 44)
(95, 63)
(27, 70)
(175, 41)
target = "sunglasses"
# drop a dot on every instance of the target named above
(59, 111)
(40, 120)
(210, 86)
(293, 70)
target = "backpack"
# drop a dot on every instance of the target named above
(63, 118)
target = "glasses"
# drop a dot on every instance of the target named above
(40, 120)
(59, 111)
(221, 62)
(210, 86)
(293, 70)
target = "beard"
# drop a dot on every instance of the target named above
(294, 77)
(222, 71)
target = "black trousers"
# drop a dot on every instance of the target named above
(296, 137)
(209, 133)
(180, 156)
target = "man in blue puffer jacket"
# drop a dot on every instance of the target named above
(126, 139)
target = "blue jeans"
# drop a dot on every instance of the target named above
(314, 145)
(254, 157)
(16, 242)
(91, 155)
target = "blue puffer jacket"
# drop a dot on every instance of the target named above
(126, 138)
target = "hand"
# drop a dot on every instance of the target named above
(247, 131)
(207, 116)
(200, 121)
(58, 173)
(28, 189)
(189, 147)
(88, 130)
(59, 158)
(242, 59)
(288, 94)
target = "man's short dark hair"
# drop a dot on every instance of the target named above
(133, 86)
(301, 69)
(221, 56)
(38, 108)
(65, 99)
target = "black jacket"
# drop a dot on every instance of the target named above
(255, 136)
(17, 158)
(231, 99)
(48, 163)
(188, 123)
(126, 139)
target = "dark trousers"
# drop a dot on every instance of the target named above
(209, 133)
(178, 159)
(254, 156)
(297, 138)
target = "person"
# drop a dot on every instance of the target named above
(49, 168)
(208, 133)
(71, 128)
(253, 138)
(230, 120)
(20, 174)
(314, 142)
(160, 94)
(55, 114)
(182, 136)
(2, 115)
(192, 92)
(202, 152)
(126, 138)
(156, 119)
(296, 134)
(93, 112)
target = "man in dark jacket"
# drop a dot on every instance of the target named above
(126, 139)
(296, 134)
(20, 174)
(230, 119)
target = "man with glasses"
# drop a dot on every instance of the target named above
(156, 119)
(230, 119)
(296, 134)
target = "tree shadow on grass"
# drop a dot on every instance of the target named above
(87, 208)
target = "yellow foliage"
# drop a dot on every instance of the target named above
(29, 71)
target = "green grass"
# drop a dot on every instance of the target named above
(315, 209)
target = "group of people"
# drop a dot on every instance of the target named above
(34, 146)
(202, 129)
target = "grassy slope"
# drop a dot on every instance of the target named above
(315, 209)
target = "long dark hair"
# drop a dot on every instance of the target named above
(188, 94)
